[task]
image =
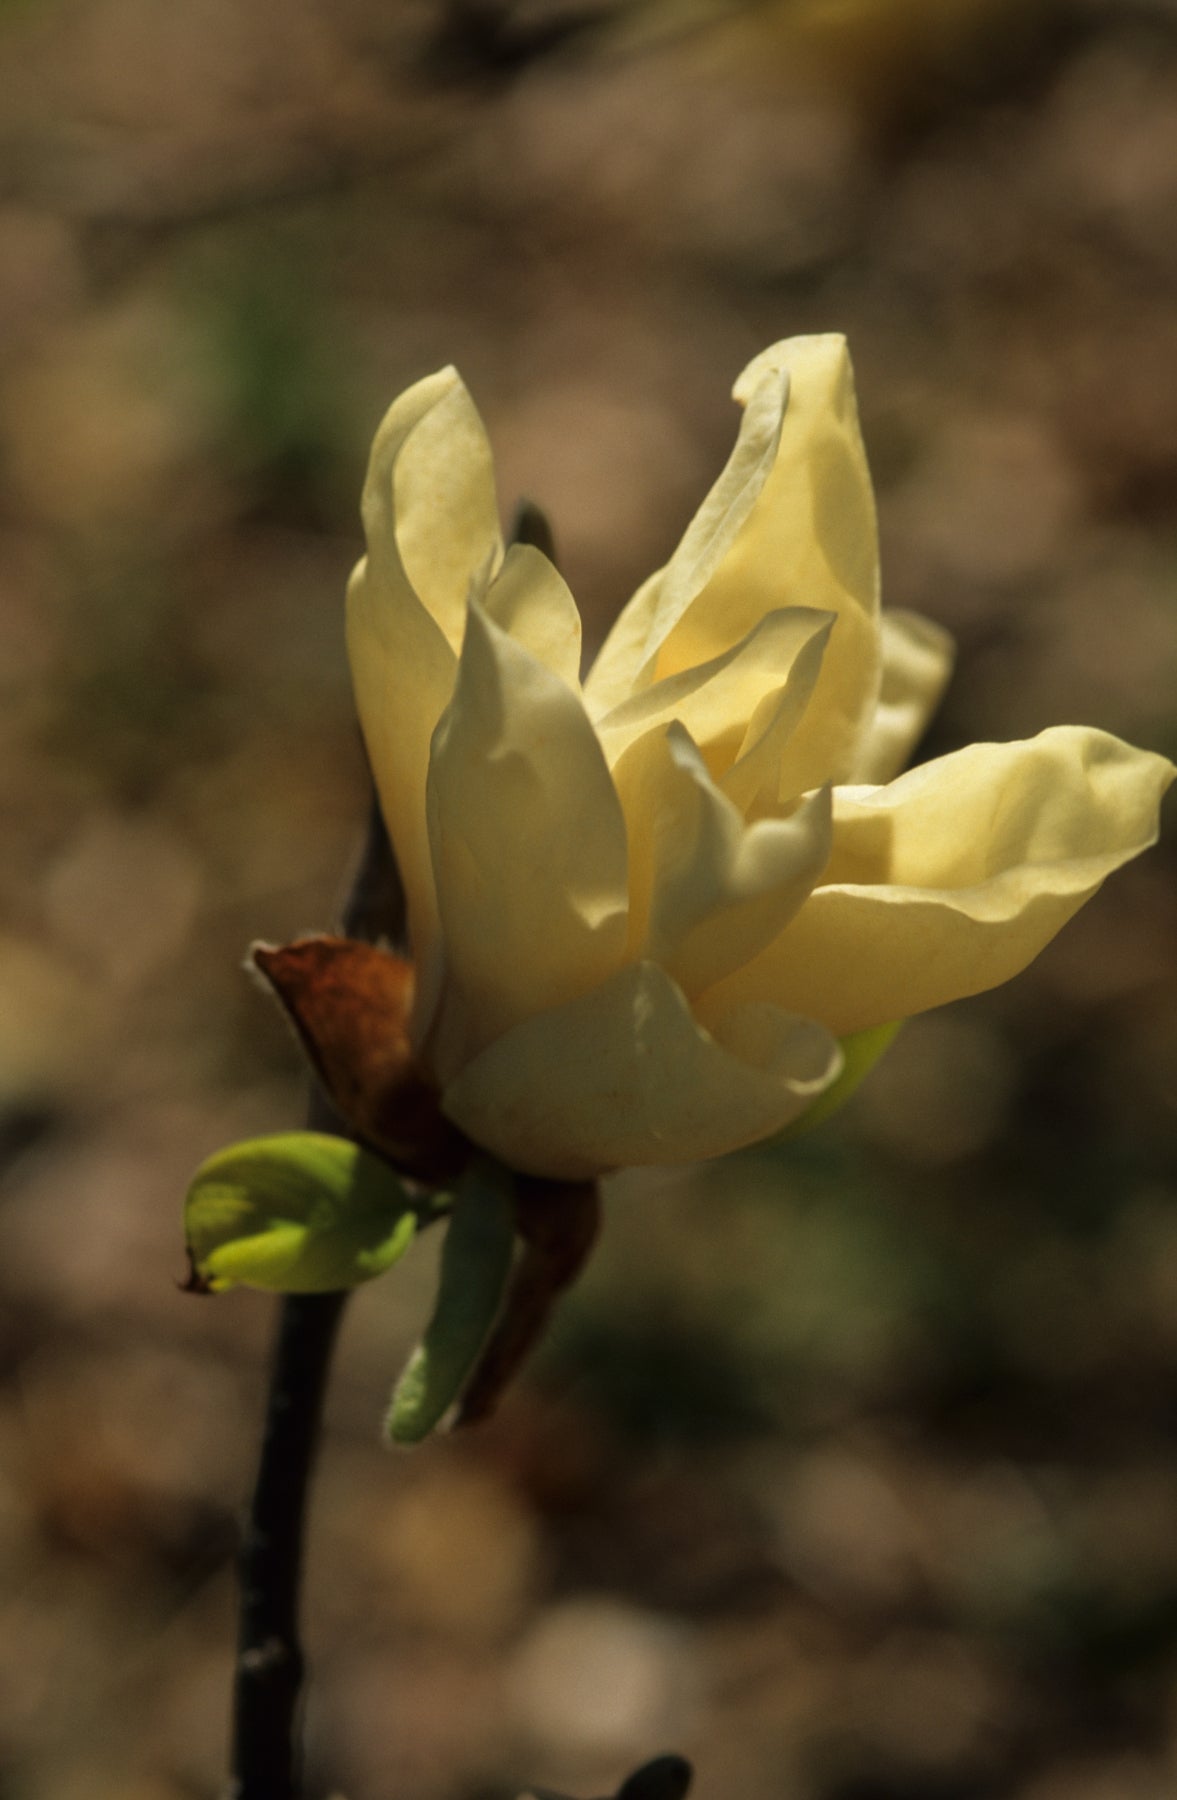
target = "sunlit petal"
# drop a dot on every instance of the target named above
(627, 659)
(716, 701)
(530, 601)
(402, 671)
(616, 671)
(809, 540)
(528, 840)
(707, 890)
(954, 877)
(443, 500)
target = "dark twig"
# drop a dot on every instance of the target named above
(269, 1658)
(270, 1664)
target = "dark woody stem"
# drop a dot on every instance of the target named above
(266, 1757)
(270, 1664)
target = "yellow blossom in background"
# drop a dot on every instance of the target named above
(644, 910)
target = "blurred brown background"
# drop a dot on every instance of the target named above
(851, 1473)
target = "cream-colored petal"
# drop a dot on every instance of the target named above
(528, 841)
(809, 540)
(953, 878)
(531, 602)
(442, 494)
(772, 765)
(790, 523)
(616, 669)
(403, 673)
(917, 663)
(625, 1076)
(720, 522)
(707, 891)
(716, 700)
(626, 662)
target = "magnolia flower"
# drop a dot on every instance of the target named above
(646, 911)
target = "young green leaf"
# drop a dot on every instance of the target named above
(298, 1213)
(475, 1267)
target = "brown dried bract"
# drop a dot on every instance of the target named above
(350, 1004)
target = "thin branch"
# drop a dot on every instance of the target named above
(266, 1756)
(270, 1663)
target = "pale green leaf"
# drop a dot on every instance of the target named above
(298, 1213)
(475, 1267)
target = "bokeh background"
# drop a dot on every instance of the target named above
(851, 1472)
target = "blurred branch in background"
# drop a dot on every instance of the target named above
(899, 59)
(496, 40)
(375, 101)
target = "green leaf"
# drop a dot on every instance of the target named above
(299, 1213)
(475, 1269)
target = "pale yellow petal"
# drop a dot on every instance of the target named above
(717, 525)
(790, 523)
(626, 662)
(402, 670)
(443, 500)
(528, 841)
(624, 1076)
(708, 891)
(531, 602)
(809, 540)
(717, 700)
(616, 671)
(772, 765)
(953, 878)
(917, 663)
